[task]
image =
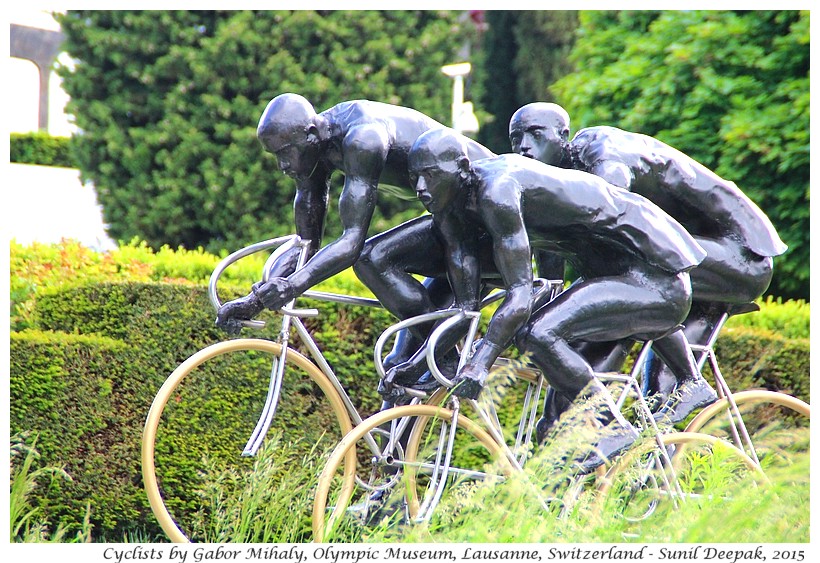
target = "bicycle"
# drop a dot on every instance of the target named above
(319, 392)
(410, 475)
(766, 426)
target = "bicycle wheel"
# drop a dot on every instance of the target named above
(440, 458)
(379, 493)
(777, 425)
(696, 466)
(204, 414)
(511, 400)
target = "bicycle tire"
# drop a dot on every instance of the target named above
(777, 423)
(323, 524)
(678, 444)
(465, 458)
(171, 384)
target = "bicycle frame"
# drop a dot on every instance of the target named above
(632, 387)
(440, 469)
(451, 318)
(291, 317)
(740, 435)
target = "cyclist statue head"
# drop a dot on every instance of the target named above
(541, 131)
(439, 160)
(290, 129)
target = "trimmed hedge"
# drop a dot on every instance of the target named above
(755, 358)
(67, 391)
(83, 381)
(84, 377)
(790, 319)
(41, 148)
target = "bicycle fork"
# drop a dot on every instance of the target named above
(277, 372)
(271, 402)
(441, 470)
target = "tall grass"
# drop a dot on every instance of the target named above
(274, 507)
(26, 521)
(272, 504)
(728, 512)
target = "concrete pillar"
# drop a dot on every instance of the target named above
(41, 46)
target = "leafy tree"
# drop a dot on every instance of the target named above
(545, 39)
(168, 102)
(499, 93)
(731, 89)
(522, 54)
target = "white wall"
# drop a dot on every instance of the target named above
(24, 80)
(43, 203)
(46, 204)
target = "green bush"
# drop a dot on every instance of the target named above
(97, 347)
(39, 267)
(67, 389)
(789, 319)
(756, 358)
(728, 88)
(40, 148)
(85, 378)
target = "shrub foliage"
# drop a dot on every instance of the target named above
(96, 348)
(40, 148)
(728, 88)
(168, 104)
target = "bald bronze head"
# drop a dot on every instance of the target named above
(288, 129)
(440, 166)
(541, 131)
